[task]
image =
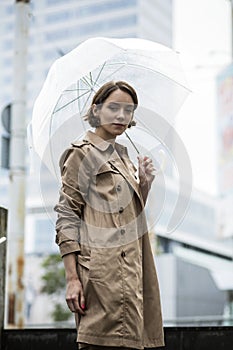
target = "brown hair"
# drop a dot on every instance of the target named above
(103, 93)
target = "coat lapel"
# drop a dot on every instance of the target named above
(115, 159)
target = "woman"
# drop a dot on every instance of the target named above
(101, 230)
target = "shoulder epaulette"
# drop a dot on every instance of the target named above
(80, 143)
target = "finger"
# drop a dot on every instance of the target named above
(82, 301)
(77, 307)
(73, 305)
(70, 305)
(149, 167)
(148, 161)
(140, 160)
(141, 166)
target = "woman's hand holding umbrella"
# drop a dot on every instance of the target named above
(146, 173)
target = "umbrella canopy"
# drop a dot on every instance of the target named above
(151, 68)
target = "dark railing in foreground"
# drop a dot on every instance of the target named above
(176, 338)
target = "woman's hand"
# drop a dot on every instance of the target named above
(146, 175)
(74, 289)
(146, 171)
(74, 296)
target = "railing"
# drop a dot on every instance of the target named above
(199, 321)
(176, 338)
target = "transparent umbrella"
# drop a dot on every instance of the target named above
(151, 68)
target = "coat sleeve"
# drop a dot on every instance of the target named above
(75, 175)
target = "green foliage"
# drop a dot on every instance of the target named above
(54, 277)
(54, 283)
(60, 313)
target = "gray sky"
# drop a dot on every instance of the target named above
(203, 37)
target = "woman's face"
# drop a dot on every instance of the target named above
(115, 114)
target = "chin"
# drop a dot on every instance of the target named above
(119, 133)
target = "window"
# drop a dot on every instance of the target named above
(58, 16)
(105, 7)
(107, 25)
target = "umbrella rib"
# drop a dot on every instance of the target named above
(90, 92)
(79, 108)
(117, 70)
(100, 72)
(91, 78)
(68, 103)
(85, 80)
(164, 75)
(72, 90)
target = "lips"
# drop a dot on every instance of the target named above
(119, 125)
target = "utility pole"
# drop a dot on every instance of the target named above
(17, 173)
(3, 233)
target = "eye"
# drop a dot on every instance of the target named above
(129, 110)
(113, 108)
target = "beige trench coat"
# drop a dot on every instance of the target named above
(101, 218)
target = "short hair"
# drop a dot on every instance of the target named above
(103, 93)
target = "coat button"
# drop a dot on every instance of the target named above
(122, 231)
(122, 254)
(121, 209)
(118, 188)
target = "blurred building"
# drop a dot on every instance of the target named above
(198, 261)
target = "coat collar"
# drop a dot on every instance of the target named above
(101, 144)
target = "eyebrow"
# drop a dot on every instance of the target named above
(120, 103)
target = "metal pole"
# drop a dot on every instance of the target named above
(3, 229)
(16, 223)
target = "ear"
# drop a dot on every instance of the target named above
(95, 110)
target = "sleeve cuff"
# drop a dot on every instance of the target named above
(69, 247)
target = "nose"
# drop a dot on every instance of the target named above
(121, 114)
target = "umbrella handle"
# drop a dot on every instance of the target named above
(132, 143)
(161, 153)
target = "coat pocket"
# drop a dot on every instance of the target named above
(104, 175)
(96, 272)
(104, 181)
(105, 265)
(83, 266)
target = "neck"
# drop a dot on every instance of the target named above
(105, 136)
